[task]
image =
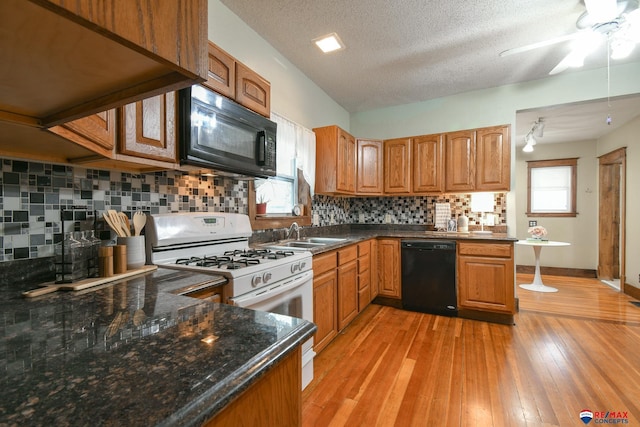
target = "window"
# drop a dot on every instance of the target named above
(552, 187)
(295, 162)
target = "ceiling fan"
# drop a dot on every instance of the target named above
(616, 22)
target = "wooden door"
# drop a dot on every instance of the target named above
(149, 127)
(493, 159)
(460, 160)
(486, 284)
(325, 315)
(221, 76)
(370, 170)
(252, 91)
(96, 132)
(347, 293)
(397, 166)
(346, 163)
(428, 164)
(611, 216)
(389, 268)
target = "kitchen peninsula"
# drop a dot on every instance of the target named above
(133, 353)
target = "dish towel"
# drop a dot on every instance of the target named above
(443, 215)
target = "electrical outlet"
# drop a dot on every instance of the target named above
(332, 219)
(533, 223)
(387, 218)
(361, 217)
(316, 219)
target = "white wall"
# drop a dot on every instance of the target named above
(580, 231)
(293, 94)
(629, 136)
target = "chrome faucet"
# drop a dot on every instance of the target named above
(294, 227)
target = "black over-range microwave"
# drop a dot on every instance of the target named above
(219, 134)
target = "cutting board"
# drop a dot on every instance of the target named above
(46, 288)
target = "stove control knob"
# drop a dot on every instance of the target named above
(266, 277)
(295, 267)
(255, 281)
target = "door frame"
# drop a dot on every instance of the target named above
(618, 156)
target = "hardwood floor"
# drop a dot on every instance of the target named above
(572, 350)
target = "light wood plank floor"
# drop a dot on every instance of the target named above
(568, 351)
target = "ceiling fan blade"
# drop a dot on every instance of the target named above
(537, 45)
(562, 65)
(602, 10)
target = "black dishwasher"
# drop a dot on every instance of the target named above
(429, 276)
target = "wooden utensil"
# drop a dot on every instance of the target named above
(124, 221)
(139, 221)
(114, 226)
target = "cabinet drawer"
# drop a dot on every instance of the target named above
(364, 248)
(324, 262)
(347, 254)
(503, 250)
(364, 280)
(364, 262)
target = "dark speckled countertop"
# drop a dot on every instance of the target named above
(132, 353)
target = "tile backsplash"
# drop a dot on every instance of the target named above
(32, 195)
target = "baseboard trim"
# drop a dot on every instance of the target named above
(632, 291)
(558, 271)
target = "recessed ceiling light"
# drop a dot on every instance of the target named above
(329, 43)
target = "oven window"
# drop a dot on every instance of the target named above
(292, 307)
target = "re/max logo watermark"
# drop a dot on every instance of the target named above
(604, 417)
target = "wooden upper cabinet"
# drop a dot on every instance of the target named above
(335, 161)
(370, 171)
(428, 164)
(252, 91)
(221, 76)
(148, 128)
(397, 166)
(87, 56)
(493, 159)
(460, 161)
(96, 132)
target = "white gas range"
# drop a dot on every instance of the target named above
(218, 243)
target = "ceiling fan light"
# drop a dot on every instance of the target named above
(601, 10)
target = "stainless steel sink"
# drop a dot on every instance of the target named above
(324, 240)
(300, 244)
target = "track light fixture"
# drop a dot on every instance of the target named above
(536, 132)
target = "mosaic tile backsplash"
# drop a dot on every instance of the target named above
(32, 195)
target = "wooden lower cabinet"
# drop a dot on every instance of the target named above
(347, 285)
(389, 277)
(486, 277)
(274, 400)
(364, 274)
(325, 299)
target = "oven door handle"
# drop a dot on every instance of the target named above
(266, 292)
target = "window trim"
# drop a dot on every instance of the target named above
(571, 162)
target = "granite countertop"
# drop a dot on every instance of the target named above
(132, 353)
(356, 233)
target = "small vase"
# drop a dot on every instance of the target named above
(261, 208)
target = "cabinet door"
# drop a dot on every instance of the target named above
(460, 154)
(346, 163)
(96, 132)
(397, 166)
(493, 159)
(373, 257)
(347, 293)
(486, 284)
(325, 315)
(389, 268)
(148, 128)
(370, 167)
(252, 91)
(222, 72)
(428, 164)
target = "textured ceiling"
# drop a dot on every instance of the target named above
(400, 52)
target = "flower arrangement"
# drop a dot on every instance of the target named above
(537, 232)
